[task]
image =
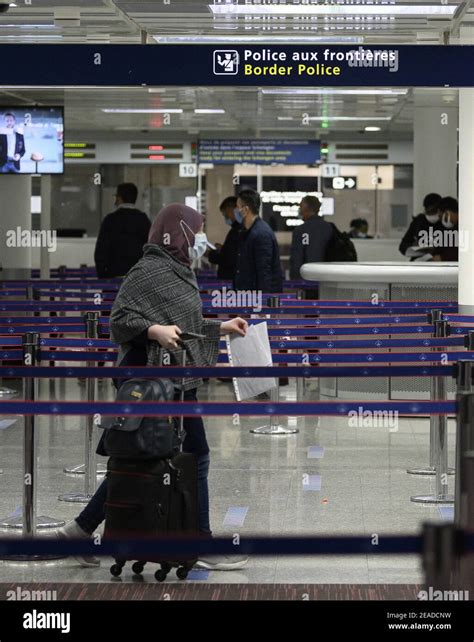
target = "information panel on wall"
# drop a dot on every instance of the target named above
(259, 152)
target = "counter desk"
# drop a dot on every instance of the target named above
(389, 282)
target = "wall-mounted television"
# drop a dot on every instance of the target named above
(31, 140)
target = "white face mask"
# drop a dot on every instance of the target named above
(446, 221)
(199, 248)
(432, 218)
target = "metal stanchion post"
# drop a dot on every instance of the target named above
(90, 466)
(433, 316)
(464, 496)
(274, 428)
(28, 520)
(439, 554)
(92, 332)
(442, 330)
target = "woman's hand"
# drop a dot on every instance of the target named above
(166, 335)
(235, 326)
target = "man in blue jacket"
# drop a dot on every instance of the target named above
(258, 260)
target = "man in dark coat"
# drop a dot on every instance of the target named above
(310, 240)
(258, 260)
(225, 256)
(122, 235)
(421, 223)
(12, 146)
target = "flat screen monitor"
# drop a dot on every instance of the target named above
(31, 140)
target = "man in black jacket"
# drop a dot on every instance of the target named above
(310, 240)
(12, 146)
(225, 256)
(122, 235)
(258, 260)
(421, 223)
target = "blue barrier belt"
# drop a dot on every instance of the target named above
(385, 357)
(223, 371)
(314, 322)
(221, 409)
(324, 345)
(195, 547)
(426, 329)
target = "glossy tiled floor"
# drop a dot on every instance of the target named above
(364, 488)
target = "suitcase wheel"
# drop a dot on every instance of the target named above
(182, 572)
(160, 576)
(116, 569)
(138, 567)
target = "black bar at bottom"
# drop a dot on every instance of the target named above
(168, 619)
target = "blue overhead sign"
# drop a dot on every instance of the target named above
(246, 65)
(259, 152)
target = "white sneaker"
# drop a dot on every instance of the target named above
(72, 530)
(222, 562)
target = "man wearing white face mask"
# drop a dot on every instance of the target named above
(225, 256)
(425, 223)
(449, 209)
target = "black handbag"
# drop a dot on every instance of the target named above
(135, 437)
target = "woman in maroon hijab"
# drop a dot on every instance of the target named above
(159, 300)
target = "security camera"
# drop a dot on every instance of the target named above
(4, 5)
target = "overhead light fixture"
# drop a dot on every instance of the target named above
(285, 118)
(373, 129)
(142, 111)
(425, 10)
(348, 118)
(335, 92)
(261, 39)
(209, 111)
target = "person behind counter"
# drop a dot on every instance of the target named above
(449, 210)
(225, 256)
(310, 240)
(122, 235)
(258, 260)
(422, 223)
(359, 229)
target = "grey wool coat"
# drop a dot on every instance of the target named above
(161, 290)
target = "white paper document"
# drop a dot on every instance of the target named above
(251, 350)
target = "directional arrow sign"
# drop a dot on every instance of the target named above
(343, 182)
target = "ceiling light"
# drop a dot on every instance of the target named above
(260, 39)
(373, 129)
(285, 118)
(430, 10)
(335, 92)
(142, 111)
(209, 111)
(347, 118)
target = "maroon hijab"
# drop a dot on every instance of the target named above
(167, 230)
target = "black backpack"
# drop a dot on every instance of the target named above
(134, 437)
(340, 247)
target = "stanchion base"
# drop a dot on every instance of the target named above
(273, 430)
(427, 470)
(432, 499)
(32, 558)
(80, 469)
(42, 522)
(75, 498)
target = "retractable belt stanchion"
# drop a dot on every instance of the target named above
(440, 452)
(91, 320)
(433, 316)
(464, 493)
(90, 466)
(274, 428)
(28, 520)
(439, 555)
